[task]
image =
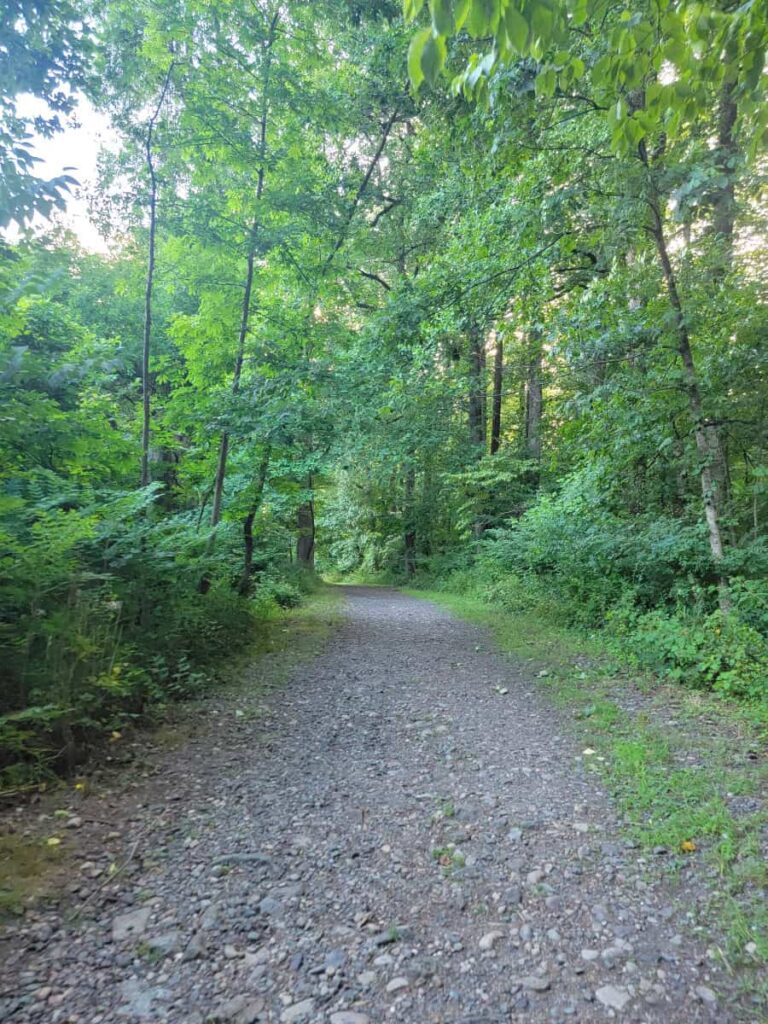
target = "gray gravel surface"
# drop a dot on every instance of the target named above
(405, 833)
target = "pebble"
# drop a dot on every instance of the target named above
(242, 1009)
(706, 995)
(298, 1011)
(489, 940)
(613, 997)
(397, 984)
(535, 983)
(130, 925)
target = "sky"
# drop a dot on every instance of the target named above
(77, 146)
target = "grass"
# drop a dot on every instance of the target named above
(27, 867)
(673, 759)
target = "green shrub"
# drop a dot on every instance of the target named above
(716, 652)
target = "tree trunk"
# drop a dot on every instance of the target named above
(146, 383)
(305, 525)
(261, 480)
(477, 388)
(498, 381)
(221, 466)
(725, 159)
(409, 522)
(706, 434)
(534, 398)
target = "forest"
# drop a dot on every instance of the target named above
(468, 295)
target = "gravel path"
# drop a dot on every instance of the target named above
(405, 834)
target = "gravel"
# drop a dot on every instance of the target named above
(404, 832)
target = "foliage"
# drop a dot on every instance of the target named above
(507, 337)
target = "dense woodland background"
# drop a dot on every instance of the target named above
(477, 299)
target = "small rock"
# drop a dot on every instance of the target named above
(349, 1017)
(613, 997)
(130, 925)
(397, 984)
(298, 1011)
(513, 896)
(210, 917)
(243, 1009)
(166, 944)
(535, 983)
(196, 947)
(270, 906)
(489, 940)
(706, 995)
(515, 835)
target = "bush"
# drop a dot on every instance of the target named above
(716, 652)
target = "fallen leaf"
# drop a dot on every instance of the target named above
(687, 846)
(54, 841)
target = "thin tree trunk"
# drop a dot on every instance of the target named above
(305, 523)
(725, 159)
(476, 388)
(146, 383)
(498, 381)
(534, 398)
(221, 467)
(409, 522)
(706, 434)
(261, 480)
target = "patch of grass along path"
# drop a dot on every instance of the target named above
(686, 769)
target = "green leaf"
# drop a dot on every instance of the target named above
(483, 17)
(545, 82)
(442, 17)
(415, 50)
(448, 16)
(542, 23)
(411, 8)
(579, 12)
(433, 57)
(517, 28)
